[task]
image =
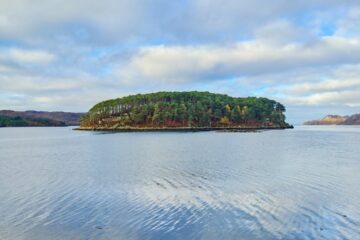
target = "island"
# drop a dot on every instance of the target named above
(336, 120)
(9, 118)
(184, 111)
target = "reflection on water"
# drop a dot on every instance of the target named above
(56, 183)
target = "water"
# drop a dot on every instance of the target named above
(56, 183)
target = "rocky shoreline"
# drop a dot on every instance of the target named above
(182, 129)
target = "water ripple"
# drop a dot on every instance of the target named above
(269, 185)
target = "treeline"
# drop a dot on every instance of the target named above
(6, 121)
(17, 121)
(185, 109)
(47, 118)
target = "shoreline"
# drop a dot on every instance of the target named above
(181, 129)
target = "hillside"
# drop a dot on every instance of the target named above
(8, 121)
(352, 120)
(336, 120)
(10, 118)
(184, 110)
(327, 120)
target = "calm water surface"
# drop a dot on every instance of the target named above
(56, 183)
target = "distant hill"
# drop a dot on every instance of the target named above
(10, 118)
(336, 120)
(352, 120)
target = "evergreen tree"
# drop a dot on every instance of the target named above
(193, 109)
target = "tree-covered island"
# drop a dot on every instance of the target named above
(184, 111)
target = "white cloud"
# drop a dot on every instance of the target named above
(90, 21)
(348, 98)
(114, 20)
(36, 84)
(323, 86)
(336, 87)
(18, 55)
(208, 62)
(282, 32)
(349, 25)
(5, 69)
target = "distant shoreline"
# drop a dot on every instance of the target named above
(9, 118)
(335, 120)
(34, 126)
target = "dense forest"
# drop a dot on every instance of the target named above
(9, 118)
(70, 119)
(17, 121)
(185, 110)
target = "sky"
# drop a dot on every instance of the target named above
(61, 55)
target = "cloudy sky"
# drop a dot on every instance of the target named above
(68, 55)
